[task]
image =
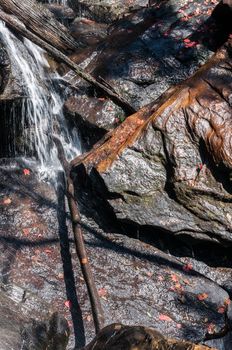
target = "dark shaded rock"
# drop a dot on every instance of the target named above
(106, 11)
(152, 49)
(24, 333)
(52, 335)
(62, 13)
(4, 68)
(87, 31)
(142, 283)
(223, 15)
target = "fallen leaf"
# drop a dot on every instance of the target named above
(187, 267)
(211, 328)
(68, 304)
(174, 278)
(166, 318)
(221, 310)
(60, 276)
(202, 296)
(102, 292)
(149, 274)
(227, 302)
(26, 172)
(160, 278)
(89, 318)
(26, 231)
(7, 201)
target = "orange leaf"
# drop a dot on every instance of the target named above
(166, 318)
(149, 274)
(227, 302)
(89, 318)
(26, 231)
(174, 278)
(202, 296)
(7, 201)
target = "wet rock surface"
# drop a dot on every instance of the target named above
(176, 176)
(138, 283)
(150, 50)
(174, 181)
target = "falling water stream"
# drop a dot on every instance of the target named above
(42, 108)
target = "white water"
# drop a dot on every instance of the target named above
(42, 107)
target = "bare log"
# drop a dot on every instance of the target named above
(98, 315)
(40, 21)
(18, 26)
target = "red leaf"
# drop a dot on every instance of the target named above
(160, 278)
(211, 328)
(202, 296)
(68, 304)
(187, 267)
(166, 318)
(102, 292)
(221, 310)
(26, 172)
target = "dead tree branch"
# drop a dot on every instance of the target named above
(19, 27)
(97, 310)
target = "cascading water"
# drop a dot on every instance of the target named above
(42, 114)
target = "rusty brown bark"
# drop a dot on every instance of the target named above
(176, 98)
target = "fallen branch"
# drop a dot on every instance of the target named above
(175, 99)
(19, 27)
(97, 311)
(42, 22)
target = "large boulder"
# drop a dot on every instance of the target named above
(172, 170)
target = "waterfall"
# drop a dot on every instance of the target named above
(42, 108)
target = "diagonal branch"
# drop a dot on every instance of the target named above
(19, 27)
